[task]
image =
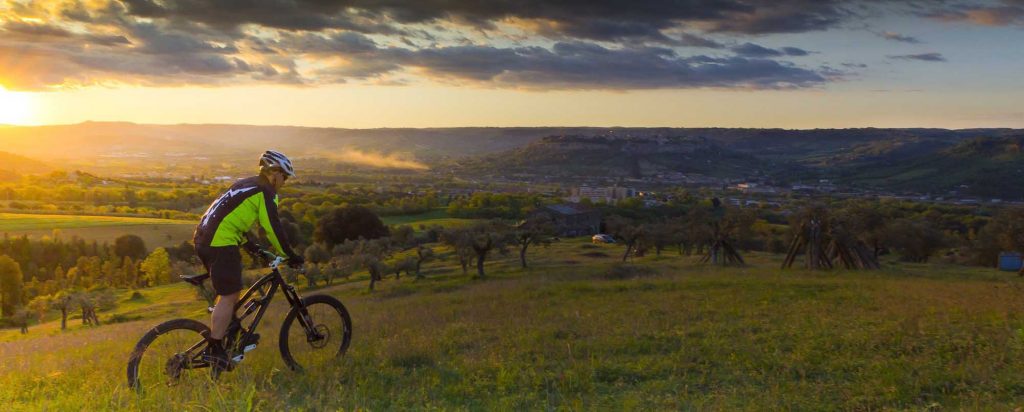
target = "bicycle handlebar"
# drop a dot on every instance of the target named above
(275, 260)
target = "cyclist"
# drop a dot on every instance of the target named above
(225, 226)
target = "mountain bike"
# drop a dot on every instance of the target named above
(315, 331)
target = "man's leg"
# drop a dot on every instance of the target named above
(222, 313)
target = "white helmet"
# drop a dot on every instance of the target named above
(277, 159)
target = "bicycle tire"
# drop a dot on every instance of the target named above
(137, 355)
(318, 304)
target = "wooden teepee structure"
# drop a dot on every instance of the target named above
(826, 244)
(720, 251)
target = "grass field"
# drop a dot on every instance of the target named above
(570, 334)
(155, 232)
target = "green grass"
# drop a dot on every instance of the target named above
(155, 232)
(16, 222)
(567, 335)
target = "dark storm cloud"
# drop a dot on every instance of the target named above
(925, 57)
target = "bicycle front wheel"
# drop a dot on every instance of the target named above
(314, 338)
(169, 355)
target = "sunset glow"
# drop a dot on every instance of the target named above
(794, 64)
(15, 107)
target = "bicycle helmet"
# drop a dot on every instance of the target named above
(275, 159)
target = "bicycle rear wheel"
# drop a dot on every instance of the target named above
(168, 355)
(332, 327)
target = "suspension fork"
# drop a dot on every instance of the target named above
(296, 301)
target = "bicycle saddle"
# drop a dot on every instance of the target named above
(195, 279)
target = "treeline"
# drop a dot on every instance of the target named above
(484, 205)
(38, 275)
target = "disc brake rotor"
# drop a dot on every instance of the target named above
(325, 336)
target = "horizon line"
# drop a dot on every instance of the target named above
(125, 122)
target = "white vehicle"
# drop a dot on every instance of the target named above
(602, 238)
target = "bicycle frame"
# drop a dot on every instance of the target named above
(249, 302)
(275, 280)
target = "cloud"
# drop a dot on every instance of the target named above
(592, 20)
(925, 57)
(581, 65)
(527, 44)
(754, 50)
(888, 35)
(692, 40)
(1005, 13)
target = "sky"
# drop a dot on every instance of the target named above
(449, 63)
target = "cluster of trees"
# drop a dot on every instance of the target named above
(38, 275)
(84, 193)
(87, 301)
(485, 205)
(918, 232)
(690, 228)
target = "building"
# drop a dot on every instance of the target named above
(572, 219)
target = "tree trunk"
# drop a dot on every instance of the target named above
(418, 264)
(522, 253)
(480, 264)
(373, 279)
(63, 319)
(629, 248)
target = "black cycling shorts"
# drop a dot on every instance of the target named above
(224, 264)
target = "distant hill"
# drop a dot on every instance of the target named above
(916, 159)
(983, 166)
(619, 157)
(126, 141)
(12, 165)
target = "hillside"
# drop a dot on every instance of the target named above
(913, 160)
(105, 140)
(603, 156)
(984, 166)
(574, 333)
(12, 165)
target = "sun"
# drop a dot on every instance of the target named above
(15, 107)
